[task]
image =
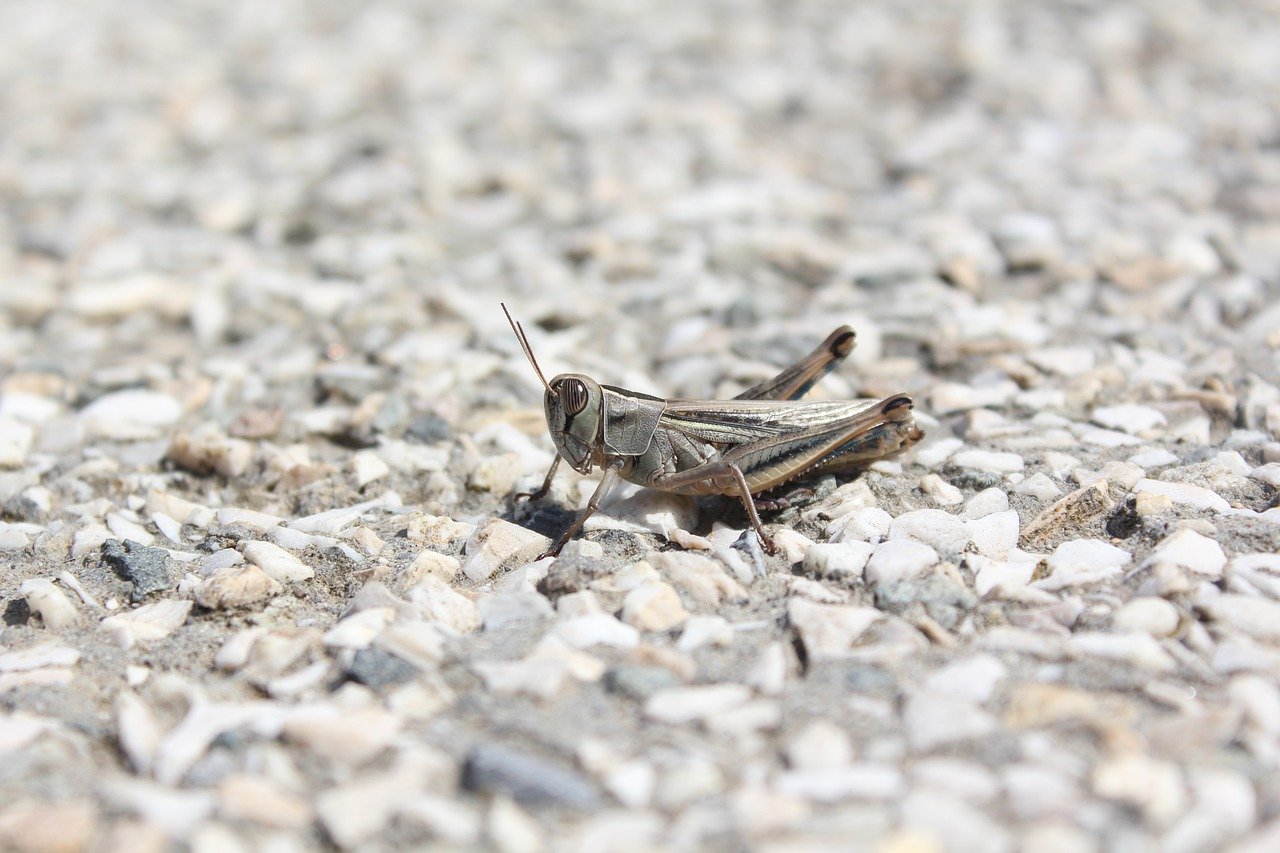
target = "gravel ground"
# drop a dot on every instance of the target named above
(263, 580)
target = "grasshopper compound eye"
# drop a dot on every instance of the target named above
(574, 394)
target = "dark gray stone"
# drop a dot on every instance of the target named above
(20, 508)
(550, 520)
(530, 780)
(428, 428)
(146, 568)
(376, 668)
(16, 612)
(943, 599)
(391, 415)
(639, 682)
(967, 478)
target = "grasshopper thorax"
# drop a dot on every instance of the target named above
(574, 404)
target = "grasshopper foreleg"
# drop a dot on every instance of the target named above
(544, 488)
(607, 482)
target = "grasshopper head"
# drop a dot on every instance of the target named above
(573, 404)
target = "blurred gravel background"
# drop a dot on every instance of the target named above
(263, 584)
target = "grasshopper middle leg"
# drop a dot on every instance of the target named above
(607, 482)
(744, 491)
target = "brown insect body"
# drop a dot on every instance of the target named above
(762, 438)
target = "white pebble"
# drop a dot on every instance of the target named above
(899, 560)
(995, 535)
(687, 704)
(941, 530)
(1155, 457)
(1269, 474)
(222, 559)
(987, 460)
(278, 563)
(602, 629)
(1136, 649)
(1190, 550)
(47, 601)
(237, 586)
(1128, 417)
(1185, 494)
(1152, 786)
(1257, 617)
(942, 492)
(207, 449)
(931, 454)
(1009, 575)
(15, 442)
(13, 539)
(440, 604)
(171, 529)
(829, 630)
(974, 678)
(1083, 561)
(819, 745)
(1148, 614)
(837, 559)
(497, 543)
(986, 502)
(932, 719)
(127, 528)
(768, 675)
(368, 467)
(653, 606)
(258, 521)
(700, 631)
(153, 621)
(132, 414)
(359, 629)
(870, 524)
(860, 781)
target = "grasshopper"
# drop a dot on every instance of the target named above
(764, 437)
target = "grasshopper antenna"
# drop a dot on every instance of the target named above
(524, 345)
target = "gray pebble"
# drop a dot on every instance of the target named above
(375, 667)
(943, 599)
(569, 574)
(20, 508)
(428, 428)
(639, 682)
(146, 568)
(528, 779)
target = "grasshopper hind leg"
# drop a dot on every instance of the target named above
(794, 382)
(883, 441)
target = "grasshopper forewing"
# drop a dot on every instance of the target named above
(764, 437)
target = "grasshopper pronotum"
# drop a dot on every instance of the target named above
(760, 439)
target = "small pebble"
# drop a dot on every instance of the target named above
(1153, 616)
(898, 560)
(526, 778)
(1190, 550)
(146, 568)
(842, 560)
(235, 587)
